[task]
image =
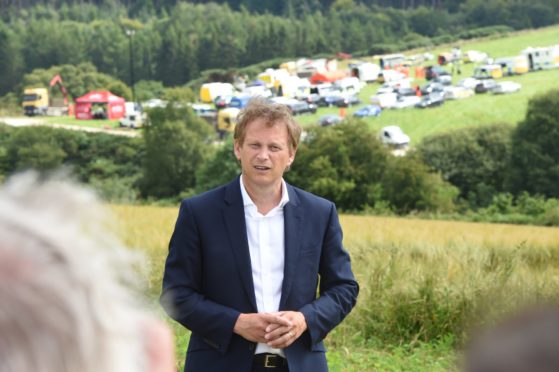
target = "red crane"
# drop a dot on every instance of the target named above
(58, 80)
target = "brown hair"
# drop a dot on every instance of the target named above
(273, 113)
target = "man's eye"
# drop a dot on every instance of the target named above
(275, 148)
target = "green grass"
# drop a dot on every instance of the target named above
(71, 120)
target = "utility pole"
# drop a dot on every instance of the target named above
(130, 34)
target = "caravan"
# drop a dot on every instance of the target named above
(365, 71)
(542, 58)
(513, 65)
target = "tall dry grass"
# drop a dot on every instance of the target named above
(421, 280)
(424, 280)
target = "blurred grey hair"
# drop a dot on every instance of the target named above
(65, 298)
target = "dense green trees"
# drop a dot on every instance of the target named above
(175, 41)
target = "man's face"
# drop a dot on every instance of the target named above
(264, 154)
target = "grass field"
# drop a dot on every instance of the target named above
(71, 120)
(424, 284)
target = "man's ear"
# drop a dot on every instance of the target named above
(237, 150)
(292, 156)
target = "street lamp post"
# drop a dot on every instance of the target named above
(130, 34)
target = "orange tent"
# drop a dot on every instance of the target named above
(327, 77)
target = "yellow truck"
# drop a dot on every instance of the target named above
(35, 101)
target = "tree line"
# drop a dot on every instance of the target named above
(490, 173)
(174, 42)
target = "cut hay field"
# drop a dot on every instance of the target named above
(424, 284)
(479, 110)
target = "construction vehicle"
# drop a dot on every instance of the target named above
(37, 101)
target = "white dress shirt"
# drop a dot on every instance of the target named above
(266, 244)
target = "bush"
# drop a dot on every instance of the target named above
(475, 160)
(484, 32)
(534, 165)
(408, 186)
(344, 163)
(176, 146)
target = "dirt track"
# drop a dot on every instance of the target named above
(29, 121)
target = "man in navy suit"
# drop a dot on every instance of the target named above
(246, 259)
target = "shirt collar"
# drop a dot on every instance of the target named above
(247, 201)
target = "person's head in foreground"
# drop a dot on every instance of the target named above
(66, 303)
(528, 342)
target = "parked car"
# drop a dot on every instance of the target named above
(329, 120)
(406, 102)
(432, 72)
(313, 98)
(301, 107)
(506, 87)
(340, 100)
(348, 101)
(297, 107)
(485, 86)
(222, 102)
(406, 91)
(385, 100)
(239, 101)
(457, 92)
(443, 79)
(432, 87)
(431, 100)
(366, 111)
(469, 83)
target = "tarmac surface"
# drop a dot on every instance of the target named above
(35, 121)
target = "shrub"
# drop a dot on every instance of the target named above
(475, 160)
(534, 165)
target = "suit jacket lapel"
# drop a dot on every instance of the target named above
(234, 215)
(293, 217)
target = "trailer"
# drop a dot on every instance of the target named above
(542, 58)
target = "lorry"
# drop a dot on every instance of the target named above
(37, 101)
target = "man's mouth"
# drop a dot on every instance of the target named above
(261, 167)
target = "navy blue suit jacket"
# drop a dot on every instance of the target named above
(207, 282)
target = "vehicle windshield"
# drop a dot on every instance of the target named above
(30, 97)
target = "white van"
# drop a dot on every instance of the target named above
(393, 137)
(134, 116)
(349, 85)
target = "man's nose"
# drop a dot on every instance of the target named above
(263, 153)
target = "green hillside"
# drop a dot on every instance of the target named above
(478, 110)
